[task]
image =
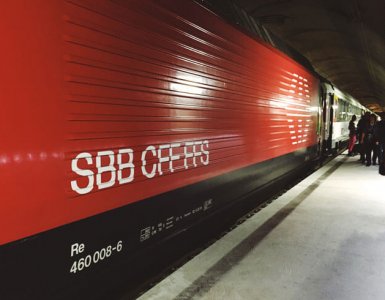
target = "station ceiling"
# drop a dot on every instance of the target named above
(343, 39)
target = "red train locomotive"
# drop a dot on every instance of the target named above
(127, 126)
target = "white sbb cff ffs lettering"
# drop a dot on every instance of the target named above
(124, 160)
(111, 168)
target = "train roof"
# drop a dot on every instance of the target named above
(330, 88)
(237, 16)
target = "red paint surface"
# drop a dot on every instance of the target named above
(87, 76)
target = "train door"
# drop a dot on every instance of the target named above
(327, 118)
(321, 121)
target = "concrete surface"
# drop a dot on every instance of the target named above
(323, 239)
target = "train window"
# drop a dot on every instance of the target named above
(351, 110)
(340, 111)
(347, 111)
(343, 112)
(356, 111)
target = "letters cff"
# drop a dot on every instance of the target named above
(109, 168)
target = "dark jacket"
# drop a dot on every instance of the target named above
(379, 132)
(369, 131)
(361, 126)
(352, 128)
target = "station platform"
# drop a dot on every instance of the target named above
(322, 239)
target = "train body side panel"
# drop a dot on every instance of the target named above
(32, 117)
(125, 123)
(108, 103)
(116, 252)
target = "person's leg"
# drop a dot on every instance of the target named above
(362, 153)
(375, 154)
(352, 141)
(381, 153)
(368, 154)
(350, 146)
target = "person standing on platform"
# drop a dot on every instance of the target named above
(369, 142)
(362, 123)
(352, 135)
(380, 137)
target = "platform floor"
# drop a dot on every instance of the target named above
(323, 239)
